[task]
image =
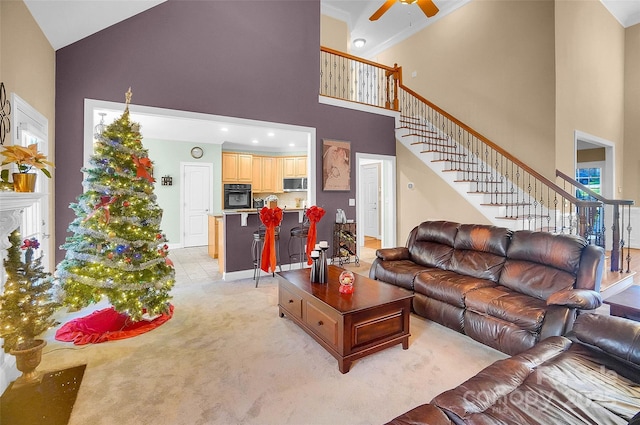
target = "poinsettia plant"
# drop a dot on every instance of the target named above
(26, 158)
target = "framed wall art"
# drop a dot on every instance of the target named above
(336, 165)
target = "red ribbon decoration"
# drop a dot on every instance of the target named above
(105, 201)
(143, 165)
(315, 214)
(270, 217)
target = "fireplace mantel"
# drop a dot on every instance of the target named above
(11, 205)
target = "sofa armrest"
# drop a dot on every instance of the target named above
(393, 254)
(584, 299)
(615, 335)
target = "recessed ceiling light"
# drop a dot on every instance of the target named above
(224, 129)
(292, 144)
(271, 134)
(254, 141)
(359, 42)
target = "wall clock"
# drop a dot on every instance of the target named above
(197, 152)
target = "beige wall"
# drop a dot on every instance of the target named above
(491, 65)
(27, 68)
(631, 186)
(334, 34)
(589, 79)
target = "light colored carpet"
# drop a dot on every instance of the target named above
(226, 357)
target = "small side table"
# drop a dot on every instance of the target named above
(626, 303)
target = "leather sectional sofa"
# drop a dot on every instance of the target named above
(506, 289)
(591, 376)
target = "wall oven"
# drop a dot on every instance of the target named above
(237, 196)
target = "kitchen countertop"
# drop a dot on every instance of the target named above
(255, 211)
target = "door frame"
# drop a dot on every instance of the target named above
(183, 165)
(387, 181)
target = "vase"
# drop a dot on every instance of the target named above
(24, 182)
(27, 360)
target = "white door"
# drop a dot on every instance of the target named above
(32, 128)
(371, 200)
(197, 203)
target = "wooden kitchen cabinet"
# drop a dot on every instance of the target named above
(265, 174)
(213, 236)
(279, 188)
(295, 166)
(237, 167)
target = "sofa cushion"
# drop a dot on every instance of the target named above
(539, 263)
(400, 273)
(432, 243)
(553, 382)
(447, 286)
(615, 335)
(480, 251)
(512, 307)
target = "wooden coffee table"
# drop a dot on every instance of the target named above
(626, 303)
(349, 327)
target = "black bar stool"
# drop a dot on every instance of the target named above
(258, 246)
(299, 235)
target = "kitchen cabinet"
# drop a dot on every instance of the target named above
(214, 236)
(295, 166)
(237, 167)
(279, 175)
(265, 174)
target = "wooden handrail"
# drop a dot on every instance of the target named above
(355, 58)
(591, 192)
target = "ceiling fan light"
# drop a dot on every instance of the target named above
(359, 42)
(408, 1)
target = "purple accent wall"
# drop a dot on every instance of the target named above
(248, 59)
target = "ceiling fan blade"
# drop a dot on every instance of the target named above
(382, 9)
(428, 7)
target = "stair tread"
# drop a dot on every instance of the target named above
(422, 135)
(468, 171)
(448, 153)
(416, 129)
(524, 217)
(506, 204)
(480, 192)
(480, 181)
(435, 145)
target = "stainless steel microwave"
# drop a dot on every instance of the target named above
(298, 184)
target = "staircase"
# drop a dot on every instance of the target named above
(503, 188)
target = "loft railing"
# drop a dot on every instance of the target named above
(347, 77)
(521, 193)
(620, 216)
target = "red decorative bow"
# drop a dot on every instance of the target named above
(270, 217)
(104, 203)
(315, 214)
(143, 165)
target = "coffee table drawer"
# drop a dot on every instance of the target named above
(290, 302)
(322, 324)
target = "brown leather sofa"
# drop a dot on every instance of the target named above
(506, 289)
(592, 376)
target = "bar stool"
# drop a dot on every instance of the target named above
(299, 235)
(257, 247)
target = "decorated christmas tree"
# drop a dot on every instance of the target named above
(117, 249)
(27, 304)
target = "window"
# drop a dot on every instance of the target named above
(589, 177)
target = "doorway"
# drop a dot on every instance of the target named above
(376, 200)
(196, 194)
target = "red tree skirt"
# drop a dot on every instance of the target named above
(107, 325)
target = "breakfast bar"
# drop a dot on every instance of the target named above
(236, 229)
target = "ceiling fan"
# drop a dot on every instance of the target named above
(428, 7)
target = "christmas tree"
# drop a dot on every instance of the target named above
(117, 249)
(27, 304)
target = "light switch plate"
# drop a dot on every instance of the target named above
(352, 202)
